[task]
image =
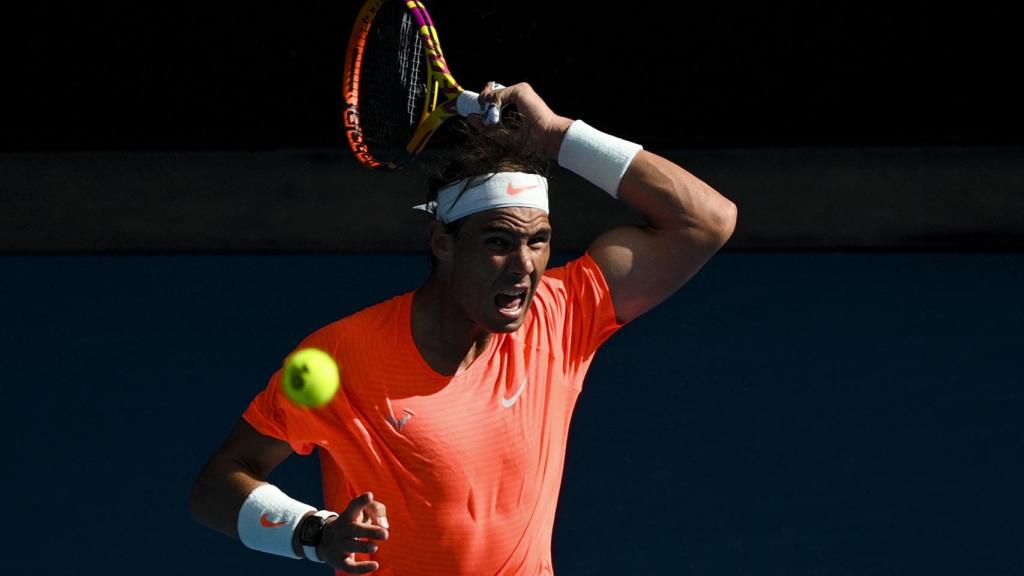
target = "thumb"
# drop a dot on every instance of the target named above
(378, 514)
(354, 511)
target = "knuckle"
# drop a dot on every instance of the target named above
(350, 546)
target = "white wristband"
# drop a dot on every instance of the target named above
(600, 158)
(268, 519)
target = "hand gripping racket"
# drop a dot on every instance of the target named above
(398, 89)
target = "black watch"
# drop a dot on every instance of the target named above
(311, 530)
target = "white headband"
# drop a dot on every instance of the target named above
(479, 193)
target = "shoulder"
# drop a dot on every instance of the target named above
(565, 283)
(578, 274)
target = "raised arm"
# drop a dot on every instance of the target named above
(687, 221)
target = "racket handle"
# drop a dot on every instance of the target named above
(468, 103)
(492, 114)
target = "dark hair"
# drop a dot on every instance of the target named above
(508, 147)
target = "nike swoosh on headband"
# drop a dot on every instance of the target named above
(513, 190)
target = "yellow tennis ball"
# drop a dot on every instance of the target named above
(310, 377)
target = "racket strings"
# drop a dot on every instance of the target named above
(392, 82)
(410, 62)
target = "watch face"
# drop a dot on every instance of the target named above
(311, 529)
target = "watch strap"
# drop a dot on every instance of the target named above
(310, 551)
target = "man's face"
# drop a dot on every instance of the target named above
(498, 257)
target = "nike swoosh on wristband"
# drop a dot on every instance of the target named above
(268, 523)
(509, 402)
(513, 190)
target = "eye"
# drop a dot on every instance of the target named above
(540, 240)
(496, 243)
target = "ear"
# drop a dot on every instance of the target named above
(441, 243)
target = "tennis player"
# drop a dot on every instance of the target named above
(443, 451)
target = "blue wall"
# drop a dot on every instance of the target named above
(820, 413)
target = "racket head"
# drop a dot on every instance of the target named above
(398, 90)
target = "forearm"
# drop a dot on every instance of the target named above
(218, 494)
(673, 200)
(669, 198)
(686, 220)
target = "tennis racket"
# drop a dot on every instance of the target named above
(398, 89)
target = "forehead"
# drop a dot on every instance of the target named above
(513, 219)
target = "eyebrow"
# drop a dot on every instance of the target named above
(506, 230)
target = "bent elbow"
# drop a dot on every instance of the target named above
(199, 499)
(723, 221)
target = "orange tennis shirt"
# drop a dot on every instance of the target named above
(469, 466)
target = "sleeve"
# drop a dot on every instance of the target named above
(590, 313)
(272, 414)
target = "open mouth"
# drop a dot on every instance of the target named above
(510, 302)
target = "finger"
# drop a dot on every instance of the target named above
(350, 565)
(491, 100)
(378, 514)
(355, 507)
(351, 546)
(335, 549)
(489, 89)
(365, 531)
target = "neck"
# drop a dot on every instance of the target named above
(446, 339)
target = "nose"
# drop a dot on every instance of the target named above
(521, 261)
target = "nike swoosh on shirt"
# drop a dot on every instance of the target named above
(513, 190)
(509, 402)
(268, 523)
(398, 424)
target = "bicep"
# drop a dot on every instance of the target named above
(687, 222)
(643, 267)
(253, 451)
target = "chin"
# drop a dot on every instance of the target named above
(507, 327)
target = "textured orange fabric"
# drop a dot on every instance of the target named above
(469, 466)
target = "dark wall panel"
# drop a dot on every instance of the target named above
(784, 413)
(323, 201)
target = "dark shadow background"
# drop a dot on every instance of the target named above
(837, 393)
(791, 73)
(197, 127)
